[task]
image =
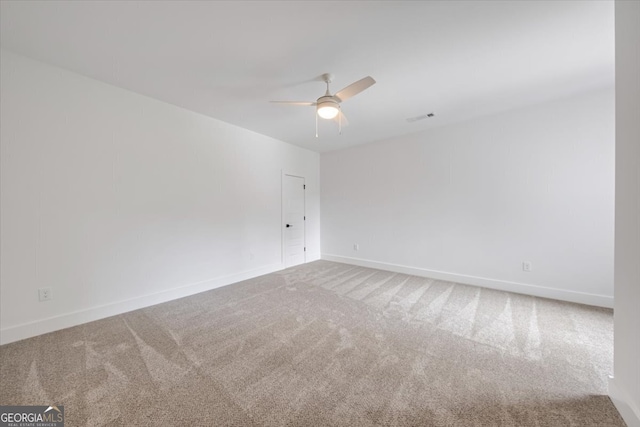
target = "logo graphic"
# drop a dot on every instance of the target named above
(32, 416)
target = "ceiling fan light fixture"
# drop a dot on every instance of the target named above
(328, 109)
(328, 106)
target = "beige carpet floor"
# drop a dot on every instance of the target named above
(327, 344)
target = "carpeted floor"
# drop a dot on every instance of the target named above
(327, 344)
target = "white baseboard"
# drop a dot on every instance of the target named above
(67, 320)
(629, 411)
(43, 326)
(313, 257)
(502, 285)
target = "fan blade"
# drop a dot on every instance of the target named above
(341, 118)
(308, 104)
(354, 88)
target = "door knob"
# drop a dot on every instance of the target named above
(288, 225)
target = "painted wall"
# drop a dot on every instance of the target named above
(470, 202)
(118, 201)
(625, 387)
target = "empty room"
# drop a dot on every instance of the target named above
(320, 213)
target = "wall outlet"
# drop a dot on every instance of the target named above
(526, 266)
(356, 247)
(44, 294)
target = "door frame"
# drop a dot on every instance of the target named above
(282, 208)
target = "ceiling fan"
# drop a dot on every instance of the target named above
(328, 106)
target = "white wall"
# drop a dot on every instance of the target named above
(625, 387)
(118, 201)
(470, 202)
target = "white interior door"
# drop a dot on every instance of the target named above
(293, 217)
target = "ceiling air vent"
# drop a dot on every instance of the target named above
(422, 117)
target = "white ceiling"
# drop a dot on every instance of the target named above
(457, 59)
